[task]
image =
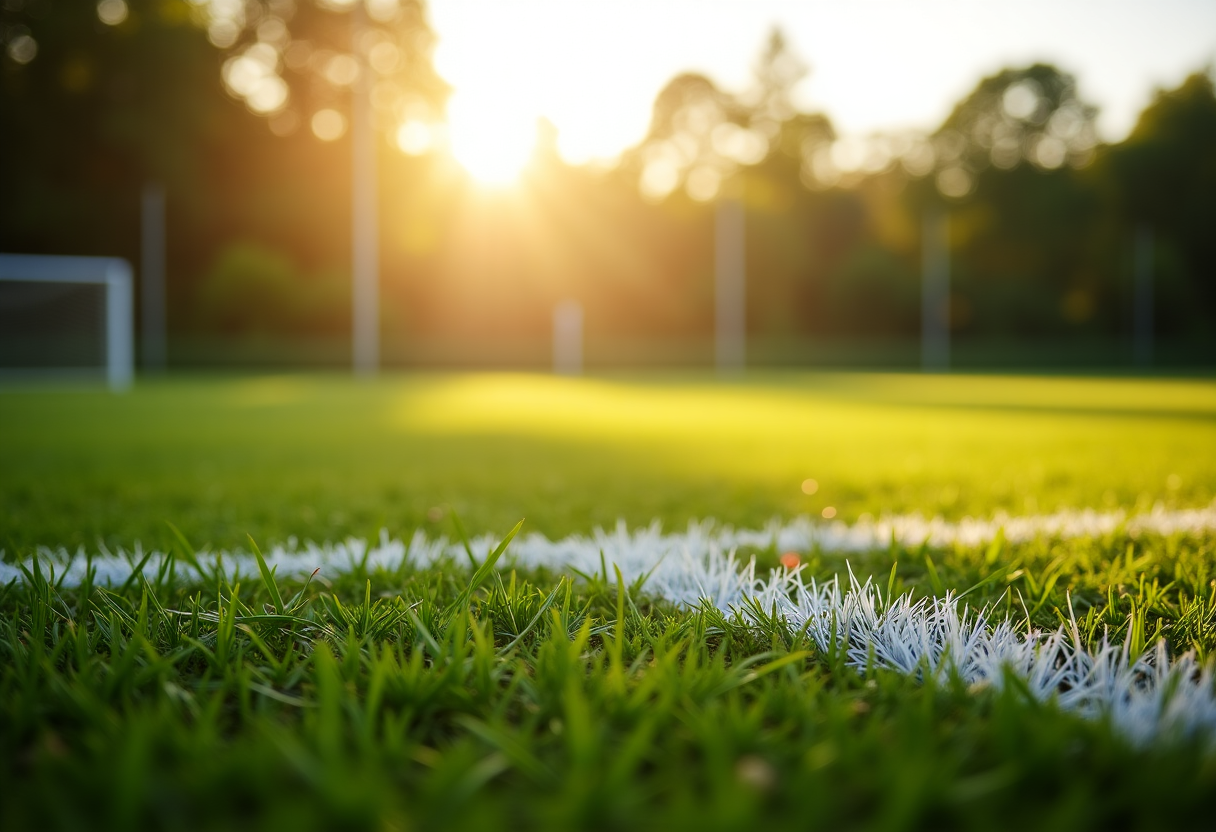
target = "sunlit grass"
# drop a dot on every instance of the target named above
(445, 698)
(461, 698)
(324, 456)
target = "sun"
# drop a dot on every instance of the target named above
(490, 137)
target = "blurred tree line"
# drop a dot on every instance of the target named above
(223, 102)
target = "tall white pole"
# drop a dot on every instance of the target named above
(935, 293)
(730, 288)
(568, 338)
(152, 277)
(365, 256)
(120, 325)
(1142, 320)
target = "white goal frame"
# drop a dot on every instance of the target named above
(111, 272)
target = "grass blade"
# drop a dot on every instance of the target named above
(268, 578)
(484, 570)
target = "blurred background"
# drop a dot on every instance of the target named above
(222, 143)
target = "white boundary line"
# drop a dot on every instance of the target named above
(1145, 697)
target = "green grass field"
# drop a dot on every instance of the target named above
(479, 698)
(323, 457)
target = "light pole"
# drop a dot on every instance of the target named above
(1142, 314)
(568, 338)
(935, 292)
(365, 255)
(152, 277)
(730, 287)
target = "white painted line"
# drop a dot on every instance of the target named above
(1145, 697)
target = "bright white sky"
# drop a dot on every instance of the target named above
(593, 67)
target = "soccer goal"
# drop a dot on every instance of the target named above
(66, 317)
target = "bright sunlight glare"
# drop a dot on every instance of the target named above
(593, 67)
(511, 52)
(490, 136)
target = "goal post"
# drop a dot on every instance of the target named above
(67, 316)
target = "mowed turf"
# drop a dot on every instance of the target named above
(467, 696)
(321, 457)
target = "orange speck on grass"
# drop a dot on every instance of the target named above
(790, 560)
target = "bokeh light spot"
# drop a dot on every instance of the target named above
(383, 10)
(1021, 100)
(112, 12)
(22, 49)
(919, 158)
(703, 183)
(273, 30)
(739, 144)
(328, 125)
(414, 138)
(1050, 152)
(268, 96)
(342, 70)
(384, 57)
(659, 178)
(954, 182)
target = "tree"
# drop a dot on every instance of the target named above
(1164, 176)
(382, 56)
(295, 62)
(700, 134)
(1017, 115)
(99, 98)
(96, 100)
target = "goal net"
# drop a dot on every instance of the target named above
(66, 317)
